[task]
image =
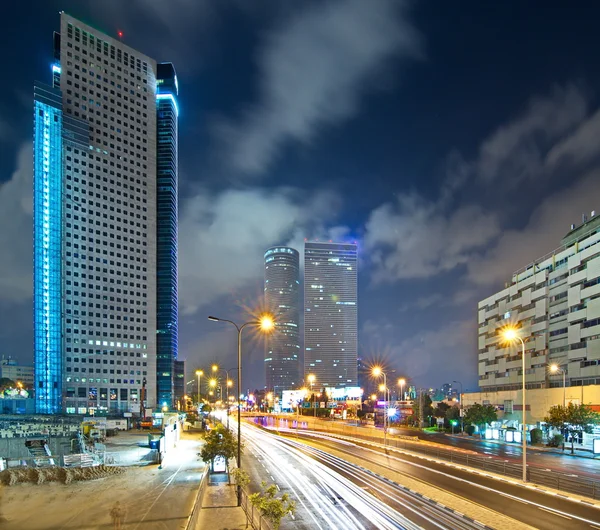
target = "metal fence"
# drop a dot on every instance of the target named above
(255, 519)
(192, 522)
(572, 484)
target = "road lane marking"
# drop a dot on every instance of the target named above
(554, 513)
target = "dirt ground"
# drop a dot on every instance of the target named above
(149, 497)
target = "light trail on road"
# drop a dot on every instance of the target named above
(530, 501)
(337, 494)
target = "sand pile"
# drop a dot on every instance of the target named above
(10, 477)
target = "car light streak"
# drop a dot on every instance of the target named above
(549, 509)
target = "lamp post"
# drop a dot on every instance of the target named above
(555, 368)
(510, 335)
(311, 379)
(228, 383)
(377, 371)
(266, 324)
(199, 373)
(401, 382)
(460, 407)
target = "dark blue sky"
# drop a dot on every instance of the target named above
(455, 142)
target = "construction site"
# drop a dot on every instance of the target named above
(76, 470)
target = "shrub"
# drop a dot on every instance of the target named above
(556, 440)
(536, 436)
(470, 430)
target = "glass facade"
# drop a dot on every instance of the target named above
(166, 233)
(331, 311)
(47, 256)
(282, 298)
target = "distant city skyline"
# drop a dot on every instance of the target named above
(454, 145)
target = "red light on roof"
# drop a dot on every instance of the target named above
(120, 34)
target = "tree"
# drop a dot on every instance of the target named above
(453, 413)
(6, 383)
(427, 408)
(242, 479)
(218, 442)
(480, 415)
(274, 509)
(572, 420)
(440, 411)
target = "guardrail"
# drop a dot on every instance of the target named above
(572, 484)
(254, 518)
(192, 522)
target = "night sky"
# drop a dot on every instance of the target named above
(454, 141)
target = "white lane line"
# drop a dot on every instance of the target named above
(553, 513)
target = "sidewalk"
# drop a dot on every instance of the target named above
(219, 506)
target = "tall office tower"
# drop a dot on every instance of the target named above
(95, 202)
(282, 297)
(330, 313)
(555, 303)
(166, 237)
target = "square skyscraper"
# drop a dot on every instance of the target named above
(95, 225)
(331, 313)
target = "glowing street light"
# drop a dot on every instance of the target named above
(401, 383)
(556, 369)
(377, 372)
(199, 373)
(266, 324)
(510, 336)
(311, 379)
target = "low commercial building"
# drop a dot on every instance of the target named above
(509, 406)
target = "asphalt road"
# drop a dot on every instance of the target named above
(521, 503)
(332, 493)
(563, 463)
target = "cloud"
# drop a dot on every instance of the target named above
(429, 356)
(548, 223)
(578, 148)
(414, 238)
(222, 238)
(16, 206)
(516, 151)
(454, 342)
(314, 69)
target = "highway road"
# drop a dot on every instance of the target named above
(331, 493)
(562, 463)
(523, 504)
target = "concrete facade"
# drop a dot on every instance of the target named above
(555, 303)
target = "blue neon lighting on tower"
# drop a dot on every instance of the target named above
(47, 237)
(166, 232)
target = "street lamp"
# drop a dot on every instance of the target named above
(228, 384)
(199, 373)
(555, 368)
(311, 379)
(401, 383)
(510, 335)
(460, 407)
(266, 324)
(377, 371)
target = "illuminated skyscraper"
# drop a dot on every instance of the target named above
(330, 313)
(282, 297)
(95, 224)
(166, 240)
